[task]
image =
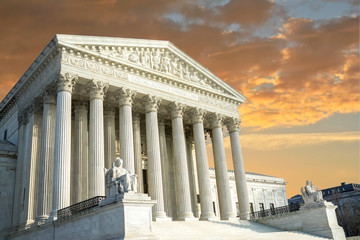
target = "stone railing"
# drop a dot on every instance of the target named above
(79, 208)
(274, 211)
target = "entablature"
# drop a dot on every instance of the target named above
(130, 65)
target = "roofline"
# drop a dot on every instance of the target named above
(29, 72)
(76, 39)
(60, 39)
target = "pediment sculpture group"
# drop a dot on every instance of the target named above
(119, 180)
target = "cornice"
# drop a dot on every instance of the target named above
(123, 70)
(81, 40)
(119, 68)
(47, 55)
(77, 52)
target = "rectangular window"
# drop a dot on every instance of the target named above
(261, 206)
(251, 208)
(5, 134)
(272, 206)
(214, 207)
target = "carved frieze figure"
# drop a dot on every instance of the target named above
(145, 59)
(186, 73)
(176, 67)
(311, 194)
(156, 60)
(165, 63)
(119, 180)
(134, 57)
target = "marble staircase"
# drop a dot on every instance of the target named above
(224, 230)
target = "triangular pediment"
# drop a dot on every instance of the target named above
(154, 55)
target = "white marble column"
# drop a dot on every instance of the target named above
(169, 148)
(46, 157)
(109, 132)
(23, 120)
(207, 211)
(221, 171)
(62, 151)
(96, 173)
(183, 200)
(239, 170)
(81, 151)
(153, 151)
(31, 166)
(165, 169)
(125, 97)
(74, 166)
(192, 175)
(137, 152)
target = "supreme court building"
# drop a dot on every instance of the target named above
(86, 100)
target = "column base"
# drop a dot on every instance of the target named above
(26, 225)
(208, 217)
(188, 216)
(228, 216)
(160, 216)
(162, 219)
(53, 216)
(39, 220)
(187, 219)
(244, 216)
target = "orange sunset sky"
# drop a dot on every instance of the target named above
(297, 62)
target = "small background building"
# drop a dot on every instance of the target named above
(265, 192)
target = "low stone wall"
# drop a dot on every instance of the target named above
(288, 221)
(317, 218)
(353, 238)
(129, 218)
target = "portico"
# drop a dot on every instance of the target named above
(86, 100)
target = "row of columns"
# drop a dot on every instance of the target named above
(55, 151)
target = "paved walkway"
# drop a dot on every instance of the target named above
(224, 230)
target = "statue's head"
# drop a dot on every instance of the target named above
(307, 182)
(118, 162)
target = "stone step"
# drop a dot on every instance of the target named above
(224, 230)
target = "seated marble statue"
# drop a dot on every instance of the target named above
(311, 194)
(119, 180)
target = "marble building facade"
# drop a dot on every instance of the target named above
(86, 99)
(264, 191)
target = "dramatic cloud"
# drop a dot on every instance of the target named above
(303, 72)
(317, 75)
(275, 142)
(293, 71)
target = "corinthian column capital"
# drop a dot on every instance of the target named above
(197, 115)
(23, 117)
(152, 103)
(216, 120)
(177, 109)
(125, 96)
(232, 124)
(49, 96)
(97, 89)
(66, 82)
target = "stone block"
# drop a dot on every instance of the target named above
(319, 218)
(125, 217)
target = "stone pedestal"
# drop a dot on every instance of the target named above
(127, 216)
(319, 218)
